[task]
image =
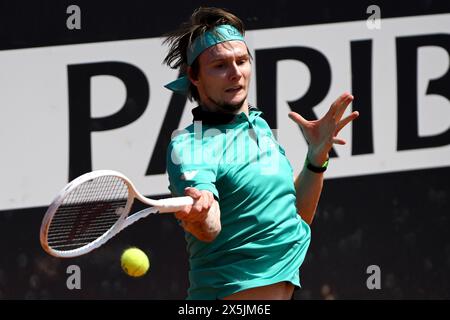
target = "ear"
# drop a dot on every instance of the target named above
(191, 77)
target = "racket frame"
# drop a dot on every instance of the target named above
(157, 206)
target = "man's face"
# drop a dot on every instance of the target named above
(224, 76)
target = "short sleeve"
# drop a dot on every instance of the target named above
(186, 168)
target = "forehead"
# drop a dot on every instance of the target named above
(224, 50)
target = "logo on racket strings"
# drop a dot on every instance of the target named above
(88, 213)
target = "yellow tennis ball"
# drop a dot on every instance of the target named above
(134, 262)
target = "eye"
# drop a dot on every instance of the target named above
(242, 61)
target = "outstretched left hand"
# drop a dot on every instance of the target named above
(322, 134)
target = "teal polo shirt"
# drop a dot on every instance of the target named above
(263, 239)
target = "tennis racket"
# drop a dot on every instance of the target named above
(92, 209)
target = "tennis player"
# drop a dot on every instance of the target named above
(248, 230)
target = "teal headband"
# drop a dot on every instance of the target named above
(219, 34)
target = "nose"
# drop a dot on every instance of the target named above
(235, 72)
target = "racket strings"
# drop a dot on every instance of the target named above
(87, 212)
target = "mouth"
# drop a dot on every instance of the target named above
(234, 89)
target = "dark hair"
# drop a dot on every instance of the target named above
(202, 20)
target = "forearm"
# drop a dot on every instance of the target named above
(208, 229)
(308, 186)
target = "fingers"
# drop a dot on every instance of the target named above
(342, 106)
(210, 200)
(335, 105)
(193, 192)
(336, 110)
(198, 201)
(198, 211)
(342, 124)
(298, 118)
(344, 99)
(346, 120)
(338, 107)
(339, 141)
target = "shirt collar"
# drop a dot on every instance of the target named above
(218, 118)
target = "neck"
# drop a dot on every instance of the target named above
(212, 106)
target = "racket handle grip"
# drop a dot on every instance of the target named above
(174, 204)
